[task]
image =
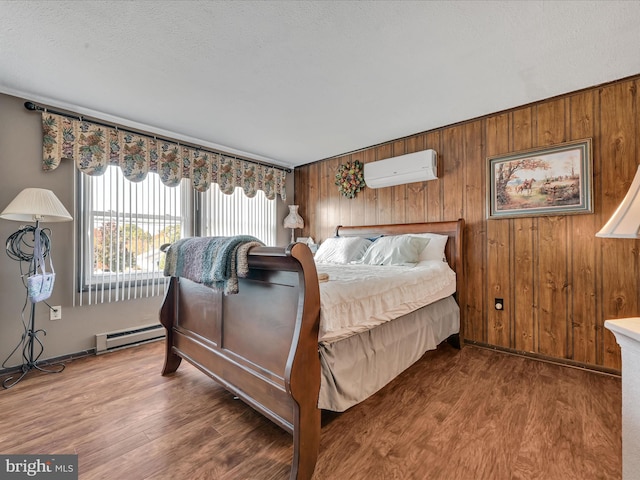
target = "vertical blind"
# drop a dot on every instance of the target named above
(122, 224)
(227, 215)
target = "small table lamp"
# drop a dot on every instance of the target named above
(293, 220)
(37, 205)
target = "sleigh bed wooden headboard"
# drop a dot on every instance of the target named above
(262, 344)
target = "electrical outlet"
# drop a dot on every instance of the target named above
(55, 313)
(498, 304)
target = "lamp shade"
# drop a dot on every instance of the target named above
(33, 204)
(293, 220)
(625, 221)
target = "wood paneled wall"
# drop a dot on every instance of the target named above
(559, 282)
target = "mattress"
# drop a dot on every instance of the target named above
(356, 367)
(359, 297)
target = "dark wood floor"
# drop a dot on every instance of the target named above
(470, 414)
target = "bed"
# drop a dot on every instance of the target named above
(262, 344)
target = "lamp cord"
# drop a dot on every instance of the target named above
(20, 247)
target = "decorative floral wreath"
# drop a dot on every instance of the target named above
(350, 179)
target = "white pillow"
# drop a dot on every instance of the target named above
(341, 250)
(395, 250)
(435, 248)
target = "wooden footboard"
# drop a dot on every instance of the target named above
(261, 344)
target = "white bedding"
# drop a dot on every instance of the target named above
(359, 297)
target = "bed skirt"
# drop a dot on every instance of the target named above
(356, 367)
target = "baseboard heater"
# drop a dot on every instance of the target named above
(108, 342)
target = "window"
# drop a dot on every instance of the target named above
(236, 214)
(122, 225)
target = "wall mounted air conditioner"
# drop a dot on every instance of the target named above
(413, 167)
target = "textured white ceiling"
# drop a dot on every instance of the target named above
(296, 82)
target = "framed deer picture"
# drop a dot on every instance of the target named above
(554, 180)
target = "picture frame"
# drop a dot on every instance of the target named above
(554, 180)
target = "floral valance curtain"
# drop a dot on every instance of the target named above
(94, 147)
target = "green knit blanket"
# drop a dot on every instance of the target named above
(213, 261)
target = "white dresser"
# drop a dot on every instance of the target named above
(627, 332)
